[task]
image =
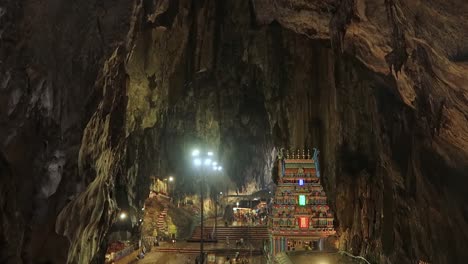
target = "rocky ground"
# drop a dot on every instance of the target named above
(97, 96)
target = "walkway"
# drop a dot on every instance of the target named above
(182, 252)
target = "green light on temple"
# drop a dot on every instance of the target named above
(302, 200)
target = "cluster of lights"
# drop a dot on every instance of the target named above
(206, 161)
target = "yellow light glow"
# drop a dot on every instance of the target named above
(123, 215)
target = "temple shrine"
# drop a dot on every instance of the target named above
(300, 218)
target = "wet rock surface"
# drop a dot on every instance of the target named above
(97, 96)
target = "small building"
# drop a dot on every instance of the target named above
(158, 186)
(300, 218)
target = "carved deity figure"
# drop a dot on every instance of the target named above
(281, 154)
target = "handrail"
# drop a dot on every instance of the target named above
(124, 252)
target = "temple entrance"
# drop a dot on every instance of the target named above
(299, 244)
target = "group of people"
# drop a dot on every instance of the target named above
(249, 219)
(239, 243)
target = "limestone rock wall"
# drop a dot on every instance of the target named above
(96, 96)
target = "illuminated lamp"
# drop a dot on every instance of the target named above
(301, 182)
(303, 222)
(123, 215)
(302, 200)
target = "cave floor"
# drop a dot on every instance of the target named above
(184, 252)
(165, 257)
(155, 257)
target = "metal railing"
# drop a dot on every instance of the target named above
(124, 252)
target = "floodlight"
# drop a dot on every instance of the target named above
(195, 152)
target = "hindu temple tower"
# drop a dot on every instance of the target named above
(300, 218)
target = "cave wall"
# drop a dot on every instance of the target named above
(97, 96)
(51, 53)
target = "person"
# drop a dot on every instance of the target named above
(156, 242)
(141, 255)
(245, 260)
(227, 260)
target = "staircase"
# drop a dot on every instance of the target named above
(195, 251)
(253, 233)
(161, 221)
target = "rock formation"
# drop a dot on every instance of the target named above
(96, 96)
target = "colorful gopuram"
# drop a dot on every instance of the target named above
(300, 217)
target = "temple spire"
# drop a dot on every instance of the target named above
(300, 216)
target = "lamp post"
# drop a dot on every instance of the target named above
(169, 186)
(168, 181)
(216, 214)
(238, 213)
(203, 162)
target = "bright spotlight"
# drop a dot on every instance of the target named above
(197, 162)
(143, 209)
(215, 163)
(195, 153)
(207, 162)
(171, 178)
(123, 215)
(210, 153)
(220, 168)
(220, 192)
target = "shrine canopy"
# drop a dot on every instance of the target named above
(299, 163)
